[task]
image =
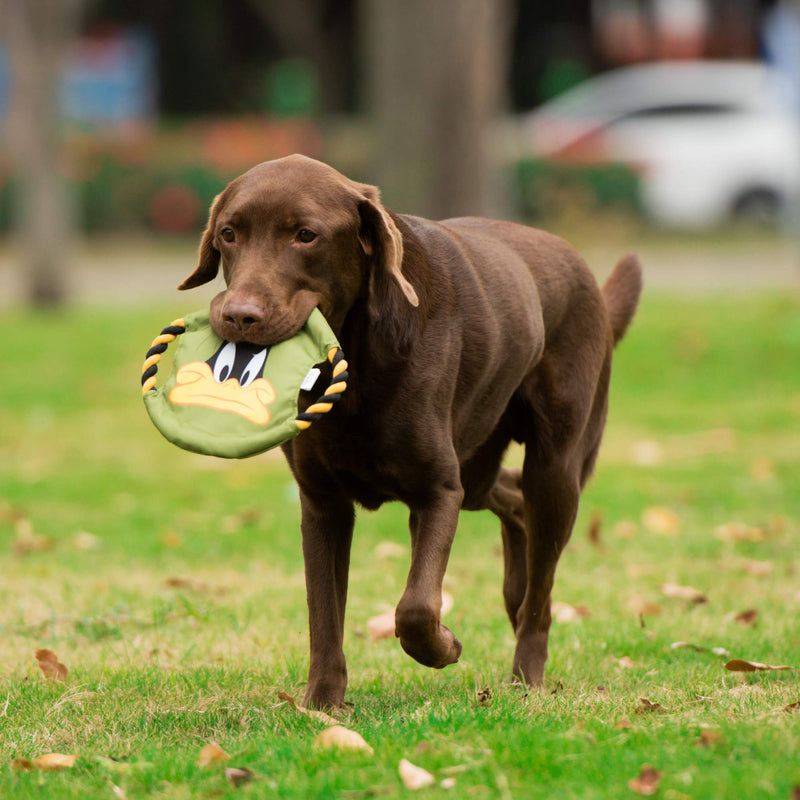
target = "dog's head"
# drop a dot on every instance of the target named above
(293, 234)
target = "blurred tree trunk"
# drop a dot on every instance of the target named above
(435, 75)
(37, 33)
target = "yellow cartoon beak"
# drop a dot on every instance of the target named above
(195, 386)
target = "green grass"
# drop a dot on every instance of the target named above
(183, 616)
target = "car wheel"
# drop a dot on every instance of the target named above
(761, 208)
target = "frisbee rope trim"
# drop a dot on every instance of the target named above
(323, 404)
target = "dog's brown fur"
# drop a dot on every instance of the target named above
(461, 335)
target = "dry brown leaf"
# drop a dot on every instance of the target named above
(740, 665)
(563, 612)
(679, 592)
(50, 666)
(24, 764)
(646, 783)
(190, 584)
(172, 540)
(342, 738)
(26, 541)
(447, 603)
(646, 453)
(646, 707)
(717, 651)
(595, 527)
(623, 724)
(739, 532)
(414, 777)
(747, 618)
(709, 738)
(762, 470)
(211, 755)
(51, 762)
(625, 529)
(83, 540)
(238, 776)
(661, 520)
(758, 568)
(381, 626)
(792, 707)
(320, 716)
(626, 662)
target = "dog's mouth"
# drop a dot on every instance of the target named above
(264, 328)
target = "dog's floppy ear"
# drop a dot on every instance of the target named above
(208, 262)
(381, 239)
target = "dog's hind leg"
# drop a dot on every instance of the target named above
(505, 501)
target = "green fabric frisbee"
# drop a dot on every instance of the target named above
(237, 400)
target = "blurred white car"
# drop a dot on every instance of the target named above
(710, 140)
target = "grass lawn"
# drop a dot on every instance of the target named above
(171, 586)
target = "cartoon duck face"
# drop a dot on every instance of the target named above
(229, 381)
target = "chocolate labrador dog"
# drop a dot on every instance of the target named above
(461, 335)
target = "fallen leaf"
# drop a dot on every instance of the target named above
(646, 453)
(747, 618)
(792, 707)
(24, 764)
(381, 626)
(661, 520)
(190, 584)
(50, 666)
(717, 651)
(342, 738)
(623, 724)
(83, 540)
(26, 541)
(414, 777)
(626, 662)
(51, 762)
(646, 783)
(389, 550)
(238, 776)
(758, 568)
(595, 526)
(625, 529)
(678, 592)
(646, 707)
(739, 532)
(762, 470)
(211, 755)
(740, 665)
(320, 716)
(709, 738)
(447, 603)
(563, 612)
(484, 695)
(172, 540)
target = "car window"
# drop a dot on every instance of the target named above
(679, 110)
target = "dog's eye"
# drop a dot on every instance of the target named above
(227, 234)
(306, 236)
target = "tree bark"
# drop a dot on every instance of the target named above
(435, 76)
(37, 34)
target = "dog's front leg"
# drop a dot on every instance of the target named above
(433, 526)
(327, 528)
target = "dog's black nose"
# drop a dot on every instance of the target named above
(242, 315)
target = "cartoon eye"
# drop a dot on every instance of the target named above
(253, 368)
(224, 362)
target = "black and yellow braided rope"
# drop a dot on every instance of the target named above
(150, 366)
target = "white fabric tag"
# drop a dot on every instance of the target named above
(310, 379)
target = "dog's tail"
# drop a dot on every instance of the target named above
(621, 293)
